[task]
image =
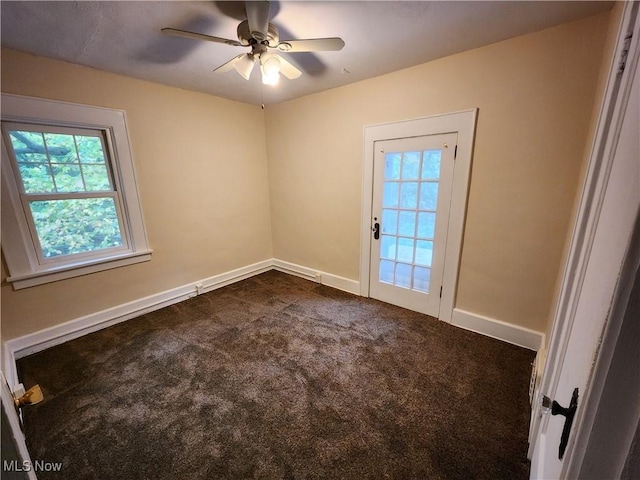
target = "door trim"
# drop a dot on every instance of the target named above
(463, 123)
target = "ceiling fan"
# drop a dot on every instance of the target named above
(256, 32)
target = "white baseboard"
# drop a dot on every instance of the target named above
(328, 279)
(297, 270)
(491, 327)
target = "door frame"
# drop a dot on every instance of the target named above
(463, 123)
(596, 185)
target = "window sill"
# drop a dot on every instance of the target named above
(69, 271)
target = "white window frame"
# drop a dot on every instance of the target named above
(25, 267)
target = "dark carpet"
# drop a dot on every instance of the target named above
(277, 377)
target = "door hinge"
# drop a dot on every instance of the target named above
(455, 152)
(441, 291)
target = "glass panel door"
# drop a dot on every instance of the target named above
(412, 190)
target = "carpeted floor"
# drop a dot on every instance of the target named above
(276, 377)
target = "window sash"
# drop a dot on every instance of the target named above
(80, 256)
(111, 173)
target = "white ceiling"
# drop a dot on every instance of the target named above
(380, 37)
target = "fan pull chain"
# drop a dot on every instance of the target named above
(261, 98)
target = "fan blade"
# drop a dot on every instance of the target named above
(287, 69)
(243, 64)
(225, 67)
(311, 45)
(199, 36)
(258, 19)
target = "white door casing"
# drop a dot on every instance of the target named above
(460, 123)
(607, 212)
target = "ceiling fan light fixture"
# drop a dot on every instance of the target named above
(270, 71)
(244, 66)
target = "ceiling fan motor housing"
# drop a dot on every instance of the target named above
(245, 37)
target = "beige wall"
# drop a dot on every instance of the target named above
(203, 187)
(535, 96)
(213, 202)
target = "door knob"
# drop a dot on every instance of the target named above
(376, 230)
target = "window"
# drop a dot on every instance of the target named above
(69, 183)
(66, 190)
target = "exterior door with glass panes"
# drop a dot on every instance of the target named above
(413, 180)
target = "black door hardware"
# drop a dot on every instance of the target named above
(568, 413)
(376, 230)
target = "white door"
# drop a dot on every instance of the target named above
(412, 184)
(608, 210)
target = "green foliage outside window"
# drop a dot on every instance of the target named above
(74, 226)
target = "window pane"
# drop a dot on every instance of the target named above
(28, 146)
(67, 177)
(428, 195)
(405, 249)
(388, 247)
(409, 194)
(90, 149)
(390, 194)
(392, 166)
(61, 148)
(386, 271)
(421, 277)
(403, 275)
(36, 178)
(76, 225)
(431, 164)
(96, 178)
(407, 225)
(426, 224)
(389, 221)
(410, 165)
(424, 253)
